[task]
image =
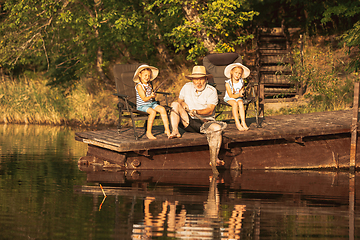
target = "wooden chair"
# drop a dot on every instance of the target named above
(126, 93)
(215, 64)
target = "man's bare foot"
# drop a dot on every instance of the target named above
(150, 136)
(245, 127)
(174, 135)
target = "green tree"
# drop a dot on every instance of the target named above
(206, 26)
(348, 12)
(72, 38)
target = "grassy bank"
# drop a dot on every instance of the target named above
(321, 69)
(28, 100)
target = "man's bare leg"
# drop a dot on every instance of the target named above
(177, 114)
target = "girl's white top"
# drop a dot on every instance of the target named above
(234, 88)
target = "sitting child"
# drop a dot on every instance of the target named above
(145, 98)
(236, 72)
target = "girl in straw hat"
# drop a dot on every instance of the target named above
(236, 72)
(145, 98)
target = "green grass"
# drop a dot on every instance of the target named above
(28, 100)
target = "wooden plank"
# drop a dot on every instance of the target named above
(275, 52)
(105, 154)
(277, 40)
(275, 68)
(273, 128)
(120, 144)
(272, 46)
(277, 59)
(274, 91)
(276, 79)
(312, 153)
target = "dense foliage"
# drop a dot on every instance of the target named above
(70, 39)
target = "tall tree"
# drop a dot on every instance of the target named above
(347, 12)
(71, 37)
(206, 26)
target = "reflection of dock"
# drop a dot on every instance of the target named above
(164, 185)
(246, 202)
(316, 140)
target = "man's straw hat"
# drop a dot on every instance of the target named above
(198, 72)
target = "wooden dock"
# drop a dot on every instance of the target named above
(303, 141)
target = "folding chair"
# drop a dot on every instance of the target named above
(126, 93)
(215, 64)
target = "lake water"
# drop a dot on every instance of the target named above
(45, 195)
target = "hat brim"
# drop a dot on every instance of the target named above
(154, 72)
(191, 76)
(228, 69)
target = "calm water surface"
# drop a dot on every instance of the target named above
(45, 195)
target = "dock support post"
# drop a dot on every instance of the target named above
(354, 125)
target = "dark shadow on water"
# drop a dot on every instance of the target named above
(234, 205)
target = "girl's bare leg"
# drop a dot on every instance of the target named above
(235, 113)
(164, 118)
(152, 114)
(242, 115)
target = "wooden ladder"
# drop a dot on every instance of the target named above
(273, 66)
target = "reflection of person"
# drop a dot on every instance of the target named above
(153, 226)
(236, 72)
(211, 207)
(145, 98)
(195, 98)
(181, 224)
(235, 222)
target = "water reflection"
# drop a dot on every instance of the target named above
(352, 206)
(183, 224)
(38, 169)
(44, 195)
(250, 205)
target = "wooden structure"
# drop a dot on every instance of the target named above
(305, 141)
(274, 64)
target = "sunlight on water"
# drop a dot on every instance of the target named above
(44, 194)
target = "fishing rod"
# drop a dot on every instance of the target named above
(158, 86)
(197, 115)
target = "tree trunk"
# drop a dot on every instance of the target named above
(99, 62)
(163, 52)
(192, 15)
(99, 53)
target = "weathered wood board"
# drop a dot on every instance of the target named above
(287, 141)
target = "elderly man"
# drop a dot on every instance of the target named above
(196, 103)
